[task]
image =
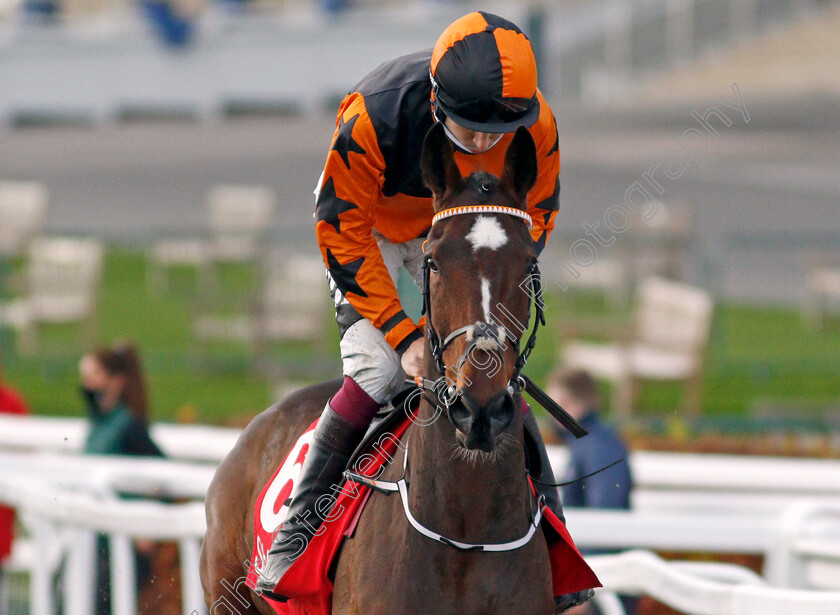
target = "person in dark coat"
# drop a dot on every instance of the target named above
(114, 390)
(577, 392)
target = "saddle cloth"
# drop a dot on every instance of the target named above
(308, 582)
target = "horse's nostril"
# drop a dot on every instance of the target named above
(500, 410)
(460, 415)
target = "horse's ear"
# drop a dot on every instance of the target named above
(440, 172)
(521, 163)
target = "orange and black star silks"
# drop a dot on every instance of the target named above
(343, 142)
(331, 206)
(372, 181)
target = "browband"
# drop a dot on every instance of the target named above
(478, 209)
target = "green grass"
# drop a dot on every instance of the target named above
(186, 381)
(756, 353)
(756, 356)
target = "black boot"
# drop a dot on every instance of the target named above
(546, 476)
(332, 444)
(566, 601)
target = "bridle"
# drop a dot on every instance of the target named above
(486, 336)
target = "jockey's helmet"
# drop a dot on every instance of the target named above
(484, 75)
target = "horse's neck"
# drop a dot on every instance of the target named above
(465, 499)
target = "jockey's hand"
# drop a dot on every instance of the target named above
(412, 359)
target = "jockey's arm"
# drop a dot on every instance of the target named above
(351, 185)
(544, 198)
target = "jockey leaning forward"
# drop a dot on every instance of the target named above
(373, 212)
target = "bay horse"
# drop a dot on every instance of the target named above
(466, 474)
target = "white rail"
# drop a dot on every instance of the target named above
(65, 500)
(661, 480)
(808, 547)
(673, 530)
(190, 442)
(685, 589)
(724, 483)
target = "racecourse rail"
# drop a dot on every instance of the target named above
(787, 510)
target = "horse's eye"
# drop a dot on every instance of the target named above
(433, 266)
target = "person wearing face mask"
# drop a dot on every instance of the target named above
(114, 391)
(373, 213)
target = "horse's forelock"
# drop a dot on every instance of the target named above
(480, 188)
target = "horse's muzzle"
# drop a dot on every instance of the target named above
(480, 426)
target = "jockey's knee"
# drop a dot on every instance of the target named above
(371, 362)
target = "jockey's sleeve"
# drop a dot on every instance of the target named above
(350, 188)
(544, 198)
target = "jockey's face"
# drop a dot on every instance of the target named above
(471, 140)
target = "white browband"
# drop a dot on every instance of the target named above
(483, 209)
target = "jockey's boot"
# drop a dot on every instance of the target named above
(329, 452)
(545, 487)
(566, 601)
(553, 502)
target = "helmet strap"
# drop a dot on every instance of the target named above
(463, 147)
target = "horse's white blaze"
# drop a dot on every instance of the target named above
(485, 297)
(486, 232)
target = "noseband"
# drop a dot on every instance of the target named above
(486, 336)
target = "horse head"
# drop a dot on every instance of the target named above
(479, 262)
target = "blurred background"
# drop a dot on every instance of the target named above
(157, 162)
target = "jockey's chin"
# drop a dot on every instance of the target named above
(471, 141)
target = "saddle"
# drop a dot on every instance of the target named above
(309, 581)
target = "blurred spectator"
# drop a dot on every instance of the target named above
(577, 392)
(235, 6)
(10, 403)
(334, 6)
(41, 11)
(171, 27)
(114, 389)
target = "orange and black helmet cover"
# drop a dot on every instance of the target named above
(484, 74)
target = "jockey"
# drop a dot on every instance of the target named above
(373, 212)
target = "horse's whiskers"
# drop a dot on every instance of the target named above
(475, 456)
(506, 440)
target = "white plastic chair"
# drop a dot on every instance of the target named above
(238, 216)
(822, 290)
(62, 282)
(291, 305)
(671, 329)
(23, 212)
